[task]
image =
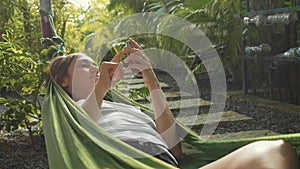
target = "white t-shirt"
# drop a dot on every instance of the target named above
(128, 123)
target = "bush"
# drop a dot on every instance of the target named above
(21, 83)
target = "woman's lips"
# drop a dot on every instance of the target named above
(97, 76)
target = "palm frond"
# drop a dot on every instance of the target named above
(163, 6)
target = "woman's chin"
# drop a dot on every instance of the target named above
(96, 79)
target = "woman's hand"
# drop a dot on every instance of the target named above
(110, 74)
(138, 60)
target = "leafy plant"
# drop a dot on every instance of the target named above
(141, 92)
(21, 82)
(163, 6)
(23, 61)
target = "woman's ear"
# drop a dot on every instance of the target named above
(65, 83)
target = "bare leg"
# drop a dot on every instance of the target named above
(259, 155)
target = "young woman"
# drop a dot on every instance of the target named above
(79, 76)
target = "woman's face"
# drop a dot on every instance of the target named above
(82, 76)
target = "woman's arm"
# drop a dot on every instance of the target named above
(110, 73)
(165, 122)
(164, 119)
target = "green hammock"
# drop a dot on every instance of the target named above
(74, 140)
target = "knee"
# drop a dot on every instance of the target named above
(285, 149)
(278, 154)
(289, 153)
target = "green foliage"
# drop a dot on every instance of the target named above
(135, 6)
(22, 67)
(196, 4)
(23, 61)
(218, 19)
(141, 92)
(163, 6)
(6, 13)
(68, 24)
(21, 114)
(22, 77)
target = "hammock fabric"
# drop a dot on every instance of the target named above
(74, 140)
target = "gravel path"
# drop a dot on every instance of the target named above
(17, 151)
(262, 119)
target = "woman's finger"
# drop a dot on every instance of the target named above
(109, 68)
(134, 44)
(138, 57)
(138, 64)
(118, 75)
(125, 50)
(118, 56)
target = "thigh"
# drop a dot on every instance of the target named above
(261, 154)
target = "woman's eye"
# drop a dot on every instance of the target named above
(84, 66)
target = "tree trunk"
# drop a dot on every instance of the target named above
(46, 9)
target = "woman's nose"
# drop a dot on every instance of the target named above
(94, 69)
